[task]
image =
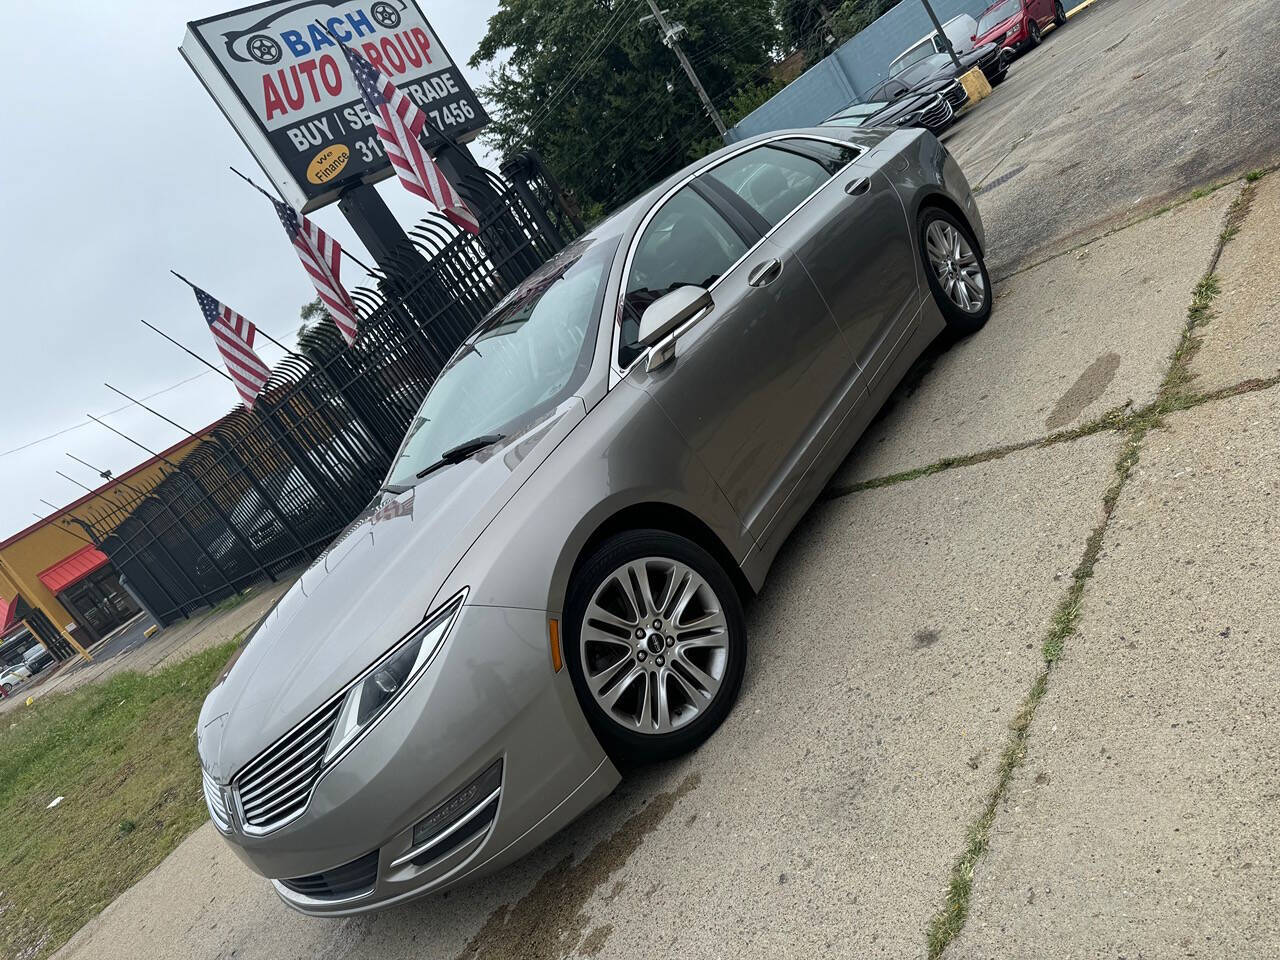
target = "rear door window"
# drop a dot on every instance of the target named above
(775, 179)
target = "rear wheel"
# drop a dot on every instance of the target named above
(656, 644)
(956, 269)
(1059, 14)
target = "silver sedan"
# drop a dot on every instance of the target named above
(552, 578)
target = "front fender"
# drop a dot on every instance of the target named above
(626, 452)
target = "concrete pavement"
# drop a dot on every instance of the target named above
(1069, 340)
(1143, 822)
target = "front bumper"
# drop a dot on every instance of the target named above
(490, 701)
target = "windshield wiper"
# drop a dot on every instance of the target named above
(393, 488)
(461, 452)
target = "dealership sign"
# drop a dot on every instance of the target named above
(278, 74)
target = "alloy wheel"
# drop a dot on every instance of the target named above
(654, 645)
(956, 266)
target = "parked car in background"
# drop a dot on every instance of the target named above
(931, 111)
(550, 582)
(12, 676)
(37, 658)
(1018, 24)
(959, 30)
(938, 73)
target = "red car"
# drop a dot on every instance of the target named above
(1018, 24)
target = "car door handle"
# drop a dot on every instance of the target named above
(765, 274)
(857, 188)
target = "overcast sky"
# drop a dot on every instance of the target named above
(116, 171)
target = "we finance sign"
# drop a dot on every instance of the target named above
(280, 77)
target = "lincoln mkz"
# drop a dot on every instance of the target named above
(552, 579)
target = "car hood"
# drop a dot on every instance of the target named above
(372, 586)
(908, 103)
(1000, 29)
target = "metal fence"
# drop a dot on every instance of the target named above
(270, 487)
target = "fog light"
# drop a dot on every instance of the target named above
(463, 817)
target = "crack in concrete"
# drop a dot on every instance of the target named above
(950, 919)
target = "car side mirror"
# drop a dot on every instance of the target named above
(666, 315)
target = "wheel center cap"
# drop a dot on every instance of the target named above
(655, 643)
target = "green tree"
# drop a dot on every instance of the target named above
(311, 313)
(600, 97)
(819, 26)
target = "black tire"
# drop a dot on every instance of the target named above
(1059, 13)
(629, 745)
(1034, 35)
(999, 77)
(959, 321)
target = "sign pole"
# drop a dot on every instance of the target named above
(937, 25)
(377, 228)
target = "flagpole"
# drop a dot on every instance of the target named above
(221, 373)
(255, 327)
(139, 403)
(345, 252)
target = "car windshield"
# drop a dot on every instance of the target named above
(998, 14)
(853, 115)
(527, 357)
(917, 53)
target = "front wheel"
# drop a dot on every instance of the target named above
(1059, 14)
(656, 644)
(956, 269)
(1034, 34)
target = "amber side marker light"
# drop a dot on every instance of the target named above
(553, 628)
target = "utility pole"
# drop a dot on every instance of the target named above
(671, 36)
(937, 25)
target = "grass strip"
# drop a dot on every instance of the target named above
(122, 756)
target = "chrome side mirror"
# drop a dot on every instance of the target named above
(664, 316)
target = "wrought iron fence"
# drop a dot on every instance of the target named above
(270, 487)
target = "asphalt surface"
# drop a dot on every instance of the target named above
(900, 633)
(129, 638)
(1131, 104)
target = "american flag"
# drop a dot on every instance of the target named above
(321, 257)
(234, 336)
(399, 123)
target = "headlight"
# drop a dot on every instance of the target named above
(388, 679)
(1011, 34)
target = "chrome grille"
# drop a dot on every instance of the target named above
(217, 806)
(937, 114)
(955, 94)
(276, 787)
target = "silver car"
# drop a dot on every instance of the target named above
(553, 577)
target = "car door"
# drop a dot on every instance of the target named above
(754, 383)
(850, 232)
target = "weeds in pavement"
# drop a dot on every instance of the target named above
(947, 923)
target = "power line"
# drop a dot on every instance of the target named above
(597, 47)
(110, 413)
